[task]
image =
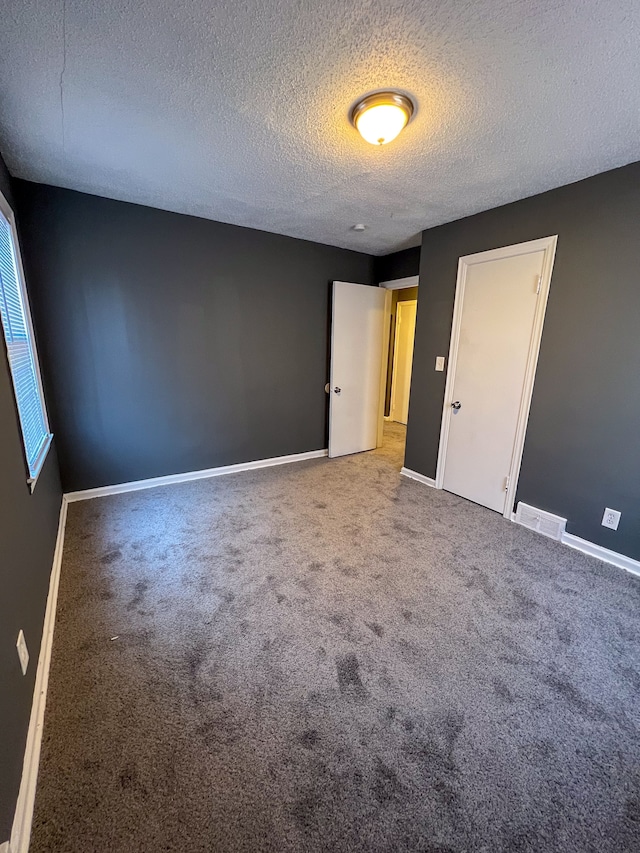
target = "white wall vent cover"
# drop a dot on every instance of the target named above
(542, 522)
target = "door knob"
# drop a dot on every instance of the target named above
(455, 406)
(337, 390)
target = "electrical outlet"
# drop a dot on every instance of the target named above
(439, 362)
(23, 652)
(611, 518)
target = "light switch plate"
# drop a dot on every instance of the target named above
(23, 652)
(440, 362)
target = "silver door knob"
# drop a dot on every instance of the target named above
(457, 405)
(337, 390)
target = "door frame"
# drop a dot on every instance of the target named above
(401, 283)
(391, 284)
(395, 353)
(386, 334)
(548, 244)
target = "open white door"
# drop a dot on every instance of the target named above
(357, 327)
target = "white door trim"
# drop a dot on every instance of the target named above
(548, 244)
(400, 283)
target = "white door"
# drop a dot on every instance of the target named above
(357, 326)
(498, 318)
(403, 360)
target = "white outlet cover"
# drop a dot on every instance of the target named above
(439, 362)
(611, 518)
(23, 652)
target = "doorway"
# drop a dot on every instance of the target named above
(401, 357)
(402, 324)
(501, 297)
(370, 369)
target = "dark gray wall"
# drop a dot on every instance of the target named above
(582, 449)
(28, 527)
(398, 264)
(172, 343)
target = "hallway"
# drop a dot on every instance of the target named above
(393, 444)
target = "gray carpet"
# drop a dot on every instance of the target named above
(327, 656)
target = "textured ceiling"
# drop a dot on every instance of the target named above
(237, 110)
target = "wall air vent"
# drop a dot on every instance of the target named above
(542, 522)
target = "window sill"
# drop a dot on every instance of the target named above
(40, 462)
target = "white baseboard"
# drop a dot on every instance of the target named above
(23, 817)
(590, 548)
(413, 475)
(204, 474)
(21, 830)
(613, 557)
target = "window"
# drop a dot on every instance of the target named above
(21, 348)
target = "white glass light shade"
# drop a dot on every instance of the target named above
(380, 117)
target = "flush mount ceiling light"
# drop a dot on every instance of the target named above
(380, 117)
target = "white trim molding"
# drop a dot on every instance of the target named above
(188, 476)
(21, 830)
(23, 817)
(612, 557)
(593, 550)
(548, 245)
(420, 478)
(401, 283)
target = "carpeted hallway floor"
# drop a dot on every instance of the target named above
(326, 656)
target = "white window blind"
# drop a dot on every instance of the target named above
(18, 334)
